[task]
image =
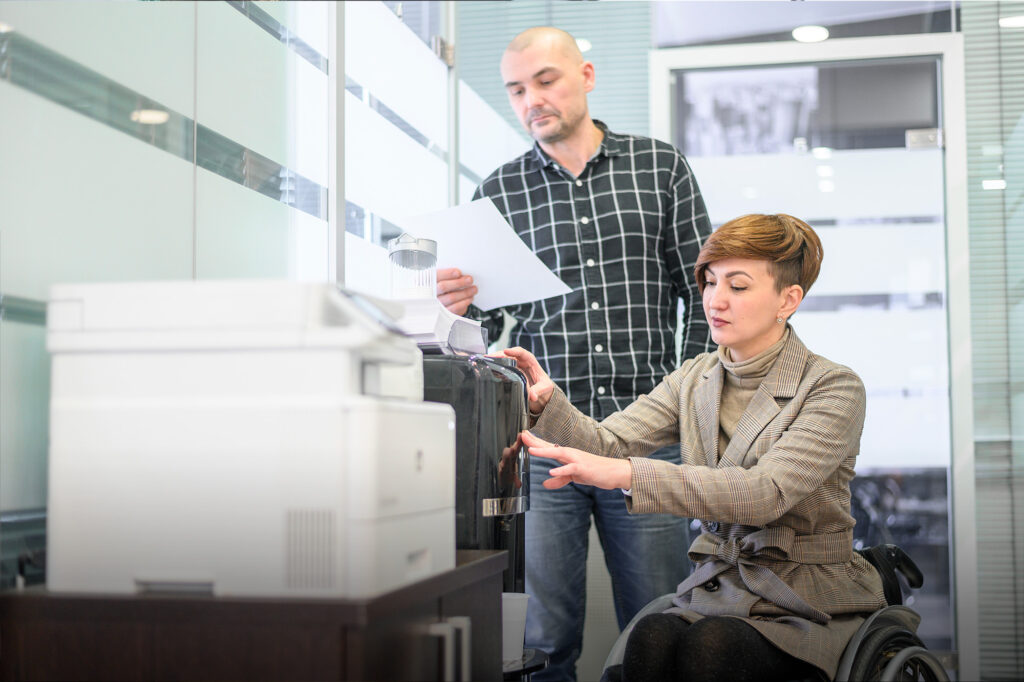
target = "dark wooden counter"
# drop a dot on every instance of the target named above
(50, 636)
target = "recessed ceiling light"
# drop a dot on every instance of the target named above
(150, 116)
(822, 153)
(5, 28)
(583, 44)
(1012, 22)
(993, 184)
(810, 34)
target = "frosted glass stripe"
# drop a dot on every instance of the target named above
(145, 46)
(899, 183)
(230, 160)
(386, 172)
(370, 100)
(103, 206)
(913, 261)
(376, 44)
(932, 299)
(280, 32)
(36, 68)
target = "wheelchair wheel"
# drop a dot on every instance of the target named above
(881, 646)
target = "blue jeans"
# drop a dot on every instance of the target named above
(645, 555)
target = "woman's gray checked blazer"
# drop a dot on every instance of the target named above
(776, 547)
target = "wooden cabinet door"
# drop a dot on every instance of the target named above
(396, 647)
(481, 603)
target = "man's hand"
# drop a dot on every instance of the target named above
(540, 384)
(580, 467)
(455, 291)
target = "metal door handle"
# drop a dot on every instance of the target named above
(464, 626)
(446, 631)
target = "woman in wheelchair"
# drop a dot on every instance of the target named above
(769, 434)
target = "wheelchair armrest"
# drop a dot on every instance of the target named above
(906, 566)
(887, 560)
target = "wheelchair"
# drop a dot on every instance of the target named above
(885, 648)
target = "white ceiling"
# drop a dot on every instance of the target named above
(685, 22)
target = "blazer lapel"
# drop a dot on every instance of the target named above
(708, 397)
(781, 383)
(760, 411)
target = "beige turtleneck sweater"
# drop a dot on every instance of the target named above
(741, 380)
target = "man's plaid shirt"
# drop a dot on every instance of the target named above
(624, 236)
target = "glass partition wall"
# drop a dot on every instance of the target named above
(145, 141)
(396, 129)
(994, 66)
(418, 137)
(855, 147)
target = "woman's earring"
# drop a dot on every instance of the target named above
(780, 320)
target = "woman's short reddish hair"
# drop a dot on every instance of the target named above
(790, 246)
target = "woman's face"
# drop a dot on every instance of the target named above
(743, 307)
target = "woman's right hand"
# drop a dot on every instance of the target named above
(540, 386)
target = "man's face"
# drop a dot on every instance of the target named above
(547, 89)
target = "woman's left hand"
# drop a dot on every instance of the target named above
(580, 467)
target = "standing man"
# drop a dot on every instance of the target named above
(620, 220)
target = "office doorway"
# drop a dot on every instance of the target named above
(859, 138)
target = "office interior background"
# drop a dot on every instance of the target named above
(212, 140)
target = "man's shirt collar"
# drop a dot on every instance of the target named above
(611, 145)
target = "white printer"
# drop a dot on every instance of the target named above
(259, 438)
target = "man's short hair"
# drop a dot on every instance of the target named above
(563, 39)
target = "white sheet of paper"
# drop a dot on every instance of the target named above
(476, 239)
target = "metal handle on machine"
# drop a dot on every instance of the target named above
(526, 391)
(503, 506)
(463, 625)
(509, 365)
(446, 631)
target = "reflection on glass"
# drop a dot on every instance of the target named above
(775, 110)
(281, 32)
(755, 111)
(424, 18)
(909, 507)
